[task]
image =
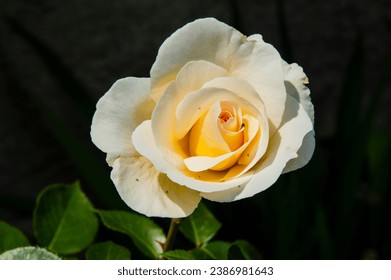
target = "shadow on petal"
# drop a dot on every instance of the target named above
(291, 108)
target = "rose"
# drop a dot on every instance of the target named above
(222, 117)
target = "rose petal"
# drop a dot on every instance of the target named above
(223, 162)
(259, 63)
(149, 192)
(213, 41)
(304, 154)
(295, 83)
(203, 39)
(258, 147)
(195, 74)
(283, 146)
(118, 113)
(205, 137)
(208, 181)
(163, 117)
(240, 87)
(232, 89)
(189, 79)
(164, 122)
(231, 124)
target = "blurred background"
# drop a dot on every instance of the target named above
(57, 58)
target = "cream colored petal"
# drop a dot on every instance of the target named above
(260, 64)
(226, 195)
(191, 77)
(163, 125)
(145, 144)
(194, 74)
(240, 87)
(149, 192)
(304, 154)
(255, 37)
(283, 146)
(118, 113)
(204, 39)
(296, 85)
(213, 41)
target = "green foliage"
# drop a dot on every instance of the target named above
(65, 222)
(64, 219)
(107, 251)
(215, 250)
(28, 253)
(11, 237)
(243, 250)
(201, 226)
(178, 255)
(145, 234)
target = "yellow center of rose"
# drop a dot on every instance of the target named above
(221, 130)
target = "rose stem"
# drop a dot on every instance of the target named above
(171, 234)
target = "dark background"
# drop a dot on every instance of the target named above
(57, 58)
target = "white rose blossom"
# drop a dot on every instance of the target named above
(221, 117)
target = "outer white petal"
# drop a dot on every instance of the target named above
(295, 83)
(213, 41)
(149, 192)
(283, 146)
(145, 144)
(260, 64)
(118, 113)
(204, 39)
(304, 154)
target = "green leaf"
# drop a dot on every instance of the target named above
(107, 251)
(243, 250)
(28, 253)
(145, 234)
(178, 255)
(201, 226)
(216, 250)
(11, 237)
(64, 219)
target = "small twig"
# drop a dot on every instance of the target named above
(171, 234)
